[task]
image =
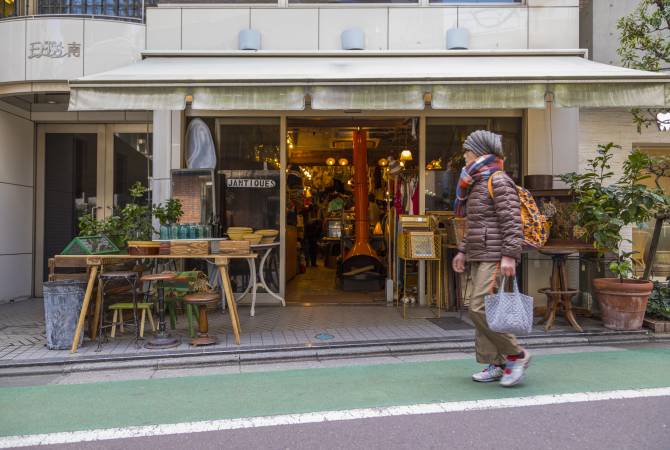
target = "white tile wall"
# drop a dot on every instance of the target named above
(212, 29)
(12, 50)
(563, 130)
(15, 276)
(373, 22)
(59, 30)
(287, 29)
(110, 44)
(16, 150)
(164, 28)
(16, 226)
(553, 28)
(492, 28)
(420, 28)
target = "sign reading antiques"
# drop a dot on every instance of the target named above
(54, 49)
(259, 183)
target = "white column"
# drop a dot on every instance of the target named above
(167, 132)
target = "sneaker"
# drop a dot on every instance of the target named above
(515, 370)
(491, 373)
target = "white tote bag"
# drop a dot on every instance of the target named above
(509, 312)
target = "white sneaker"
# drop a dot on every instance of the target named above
(515, 370)
(489, 374)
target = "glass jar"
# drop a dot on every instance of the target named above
(165, 232)
(192, 231)
(174, 231)
(183, 231)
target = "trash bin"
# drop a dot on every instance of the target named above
(62, 304)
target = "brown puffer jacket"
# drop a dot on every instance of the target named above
(494, 227)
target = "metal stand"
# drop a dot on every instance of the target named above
(162, 339)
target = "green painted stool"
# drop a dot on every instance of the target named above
(176, 290)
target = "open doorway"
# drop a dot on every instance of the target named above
(338, 198)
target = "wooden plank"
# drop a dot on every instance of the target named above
(84, 307)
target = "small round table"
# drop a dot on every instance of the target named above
(162, 339)
(257, 276)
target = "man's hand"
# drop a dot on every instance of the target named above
(458, 263)
(507, 266)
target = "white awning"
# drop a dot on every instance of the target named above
(368, 81)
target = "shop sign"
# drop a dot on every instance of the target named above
(253, 183)
(54, 49)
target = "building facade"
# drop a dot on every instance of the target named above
(60, 158)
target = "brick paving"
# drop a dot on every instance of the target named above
(22, 336)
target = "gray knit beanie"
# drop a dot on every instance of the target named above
(482, 142)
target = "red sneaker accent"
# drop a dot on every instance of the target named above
(508, 371)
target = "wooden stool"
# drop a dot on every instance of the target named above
(202, 299)
(162, 339)
(117, 318)
(559, 294)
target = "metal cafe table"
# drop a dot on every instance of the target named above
(96, 262)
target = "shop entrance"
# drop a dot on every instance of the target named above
(337, 197)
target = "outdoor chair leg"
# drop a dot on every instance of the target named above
(189, 318)
(121, 330)
(151, 320)
(142, 317)
(114, 318)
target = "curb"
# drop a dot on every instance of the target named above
(258, 355)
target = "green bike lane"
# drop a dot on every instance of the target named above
(78, 407)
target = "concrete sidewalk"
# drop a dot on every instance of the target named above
(275, 333)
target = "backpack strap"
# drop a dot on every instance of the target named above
(490, 183)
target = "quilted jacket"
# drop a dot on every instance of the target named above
(494, 227)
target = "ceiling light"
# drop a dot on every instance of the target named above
(406, 155)
(330, 161)
(51, 102)
(383, 162)
(343, 162)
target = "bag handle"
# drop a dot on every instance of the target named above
(490, 183)
(503, 283)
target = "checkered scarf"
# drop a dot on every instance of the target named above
(482, 168)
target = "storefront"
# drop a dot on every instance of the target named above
(273, 111)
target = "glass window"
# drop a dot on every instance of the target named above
(132, 164)
(248, 167)
(444, 154)
(70, 188)
(116, 8)
(7, 8)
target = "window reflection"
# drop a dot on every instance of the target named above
(444, 154)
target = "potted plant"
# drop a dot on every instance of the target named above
(658, 308)
(168, 214)
(603, 207)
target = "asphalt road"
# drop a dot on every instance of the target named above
(608, 425)
(579, 398)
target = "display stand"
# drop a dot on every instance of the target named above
(422, 246)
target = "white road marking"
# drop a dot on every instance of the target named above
(325, 416)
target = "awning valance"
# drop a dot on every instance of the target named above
(367, 81)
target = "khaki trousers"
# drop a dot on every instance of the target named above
(491, 347)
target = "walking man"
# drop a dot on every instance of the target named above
(492, 247)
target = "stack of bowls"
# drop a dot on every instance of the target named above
(237, 233)
(253, 238)
(268, 236)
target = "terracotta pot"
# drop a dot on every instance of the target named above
(622, 304)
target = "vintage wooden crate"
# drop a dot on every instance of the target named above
(234, 247)
(183, 247)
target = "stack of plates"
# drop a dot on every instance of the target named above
(253, 238)
(268, 236)
(237, 233)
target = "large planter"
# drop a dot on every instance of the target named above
(622, 303)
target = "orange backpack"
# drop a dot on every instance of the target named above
(535, 224)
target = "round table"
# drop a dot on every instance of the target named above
(257, 276)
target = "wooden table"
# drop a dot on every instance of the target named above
(96, 262)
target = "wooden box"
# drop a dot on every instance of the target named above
(657, 326)
(183, 247)
(234, 247)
